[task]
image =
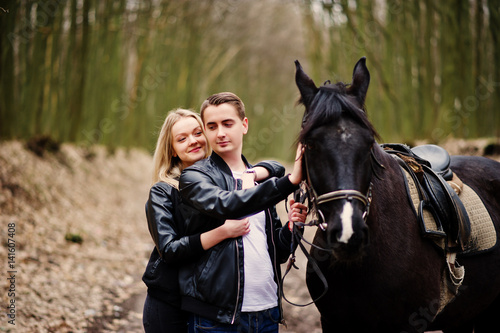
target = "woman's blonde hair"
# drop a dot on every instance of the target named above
(166, 166)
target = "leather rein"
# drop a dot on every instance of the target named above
(315, 200)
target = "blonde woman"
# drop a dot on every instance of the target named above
(181, 143)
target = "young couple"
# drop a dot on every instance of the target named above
(218, 240)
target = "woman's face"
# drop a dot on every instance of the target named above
(188, 141)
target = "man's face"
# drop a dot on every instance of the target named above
(224, 129)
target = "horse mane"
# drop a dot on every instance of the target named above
(329, 104)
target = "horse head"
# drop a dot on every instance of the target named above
(338, 141)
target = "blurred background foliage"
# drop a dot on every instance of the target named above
(107, 72)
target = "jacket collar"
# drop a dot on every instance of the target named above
(219, 161)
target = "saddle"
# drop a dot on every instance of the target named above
(429, 166)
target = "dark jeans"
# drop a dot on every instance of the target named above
(161, 317)
(266, 321)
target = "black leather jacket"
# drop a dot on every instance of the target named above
(212, 286)
(172, 246)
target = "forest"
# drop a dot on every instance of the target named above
(107, 72)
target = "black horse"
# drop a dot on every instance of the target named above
(383, 276)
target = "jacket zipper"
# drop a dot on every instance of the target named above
(239, 286)
(278, 283)
(239, 274)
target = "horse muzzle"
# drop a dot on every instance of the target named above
(347, 234)
(345, 225)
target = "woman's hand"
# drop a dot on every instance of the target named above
(236, 228)
(230, 229)
(261, 173)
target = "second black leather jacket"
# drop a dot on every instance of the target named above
(212, 286)
(173, 245)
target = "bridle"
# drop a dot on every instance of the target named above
(349, 195)
(315, 200)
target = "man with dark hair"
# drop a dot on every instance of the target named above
(235, 286)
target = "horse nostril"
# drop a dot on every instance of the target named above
(334, 235)
(351, 238)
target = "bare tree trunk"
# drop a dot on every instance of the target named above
(76, 99)
(8, 13)
(494, 23)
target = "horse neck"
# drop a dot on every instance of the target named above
(388, 162)
(386, 169)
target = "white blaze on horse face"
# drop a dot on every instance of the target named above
(346, 219)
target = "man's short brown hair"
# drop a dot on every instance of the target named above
(222, 98)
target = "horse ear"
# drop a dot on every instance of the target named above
(360, 81)
(305, 84)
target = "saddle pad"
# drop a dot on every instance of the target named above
(483, 233)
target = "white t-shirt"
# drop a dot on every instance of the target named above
(260, 290)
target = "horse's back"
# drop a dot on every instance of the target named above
(467, 166)
(482, 174)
